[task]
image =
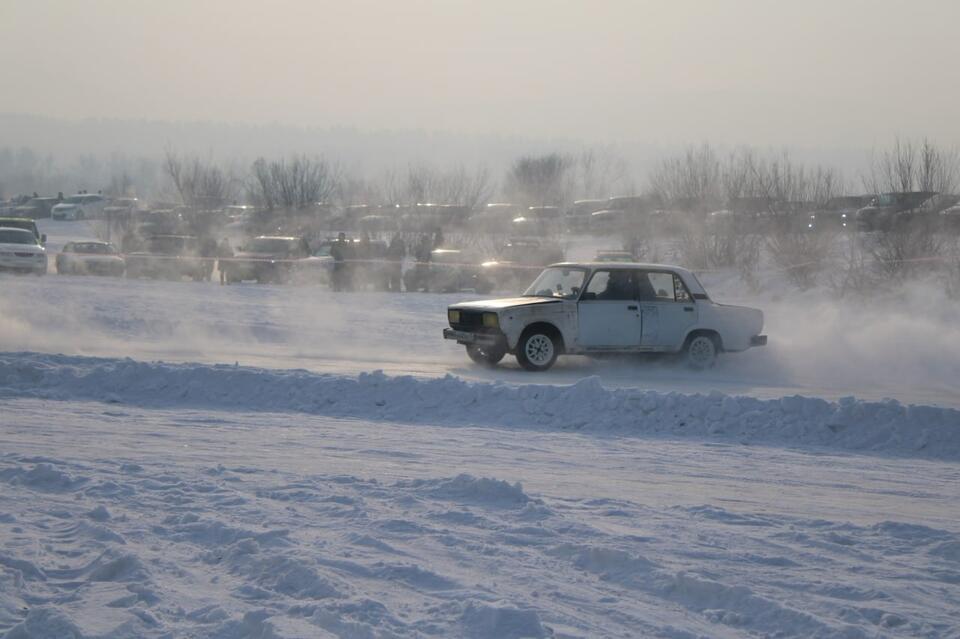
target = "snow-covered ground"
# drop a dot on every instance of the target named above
(266, 482)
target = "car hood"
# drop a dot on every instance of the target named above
(504, 303)
(22, 248)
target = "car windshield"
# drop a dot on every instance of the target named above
(559, 282)
(17, 236)
(275, 245)
(94, 248)
(27, 225)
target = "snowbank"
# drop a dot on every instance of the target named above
(848, 424)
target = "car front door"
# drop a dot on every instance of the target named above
(668, 309)
(608, 311)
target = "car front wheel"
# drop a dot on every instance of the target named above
(701, 352)
(537, 350)
(488, 355)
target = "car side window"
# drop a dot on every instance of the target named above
(612, 285)
(661, 287)
(680, 292)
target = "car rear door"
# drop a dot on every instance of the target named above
(608, 311)
(668, 309)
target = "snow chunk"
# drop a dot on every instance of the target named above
(469, 489)
(482, 621)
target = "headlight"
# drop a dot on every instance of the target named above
(453, 316)
(491, 320)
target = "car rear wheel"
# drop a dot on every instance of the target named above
(701, 351)
(488, 355)
(537, 350)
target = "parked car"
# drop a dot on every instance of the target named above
(449, 270)
(90, 258)
(36, 207)
(25, 223)
(79, 207)
(518, 260)
(890, 210)
(594, 308)
(949, 218)
(21, 251)
(276, 259)
(838, 213)
(172, 257)
(614, 256)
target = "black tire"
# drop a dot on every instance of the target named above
(486, 355)
(701, 350)
(538, 349)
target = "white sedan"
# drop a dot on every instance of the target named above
(594, 308)
(21, 252)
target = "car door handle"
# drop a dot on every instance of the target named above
(632, 307)
(688, 309)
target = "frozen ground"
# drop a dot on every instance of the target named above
(173, 506)
(234, 497)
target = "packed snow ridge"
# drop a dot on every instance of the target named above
(848, 424)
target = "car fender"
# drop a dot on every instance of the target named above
(561, 315)
(734, 324)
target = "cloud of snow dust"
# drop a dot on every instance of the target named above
(901, 342)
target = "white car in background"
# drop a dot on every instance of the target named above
(21, 251)
(81, 206)
(594, 308)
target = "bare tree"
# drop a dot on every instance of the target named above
(690, 181)
(422, 184)
(298, 183)
(539, 180)
(910, 166)
(598, 173)
(199, 183)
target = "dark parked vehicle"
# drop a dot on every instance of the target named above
(276, 259)
(37, 207)
(359, 264)
(838, 213)
(519, 259)
(448, 270)
(172, 257)
(614, 256)
(890, 210)
(90, 258)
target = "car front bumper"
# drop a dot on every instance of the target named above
(479, 339)
(758, 340)
(23, 264)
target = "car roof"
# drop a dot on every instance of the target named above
(15, 228)
(685, 274)
(630, 265)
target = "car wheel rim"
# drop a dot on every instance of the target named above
(539, 349)
(702, 350)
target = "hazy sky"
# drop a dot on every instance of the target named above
(811, 72)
